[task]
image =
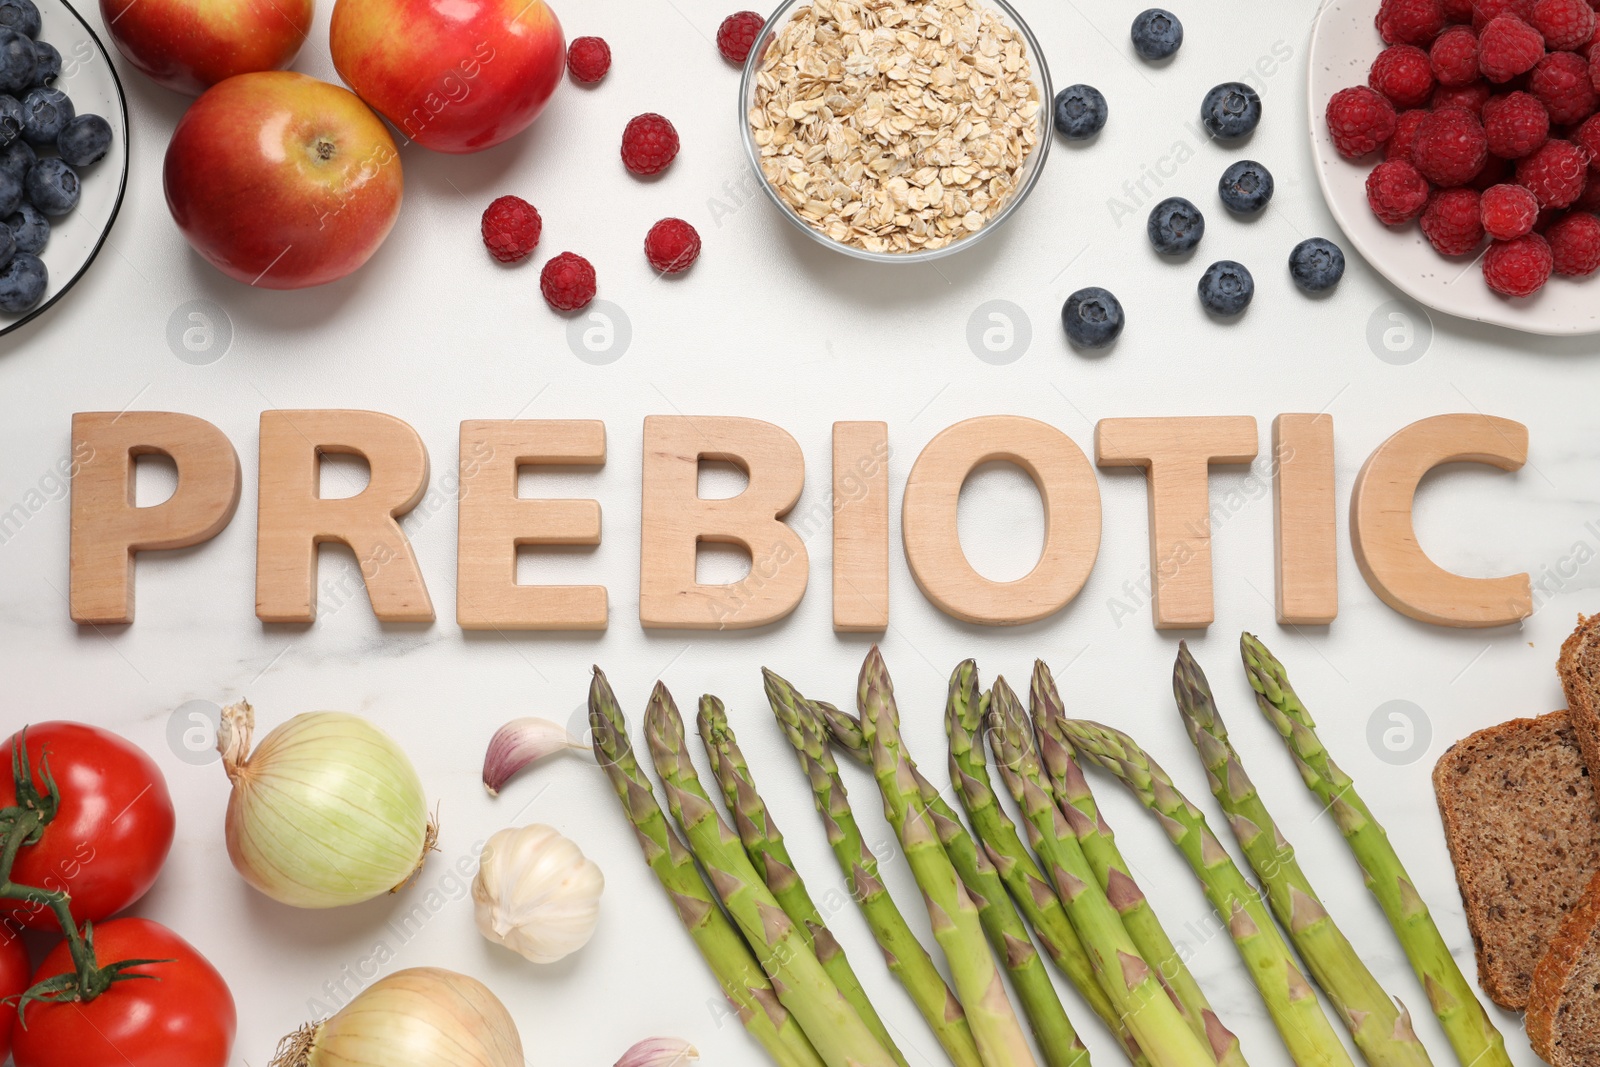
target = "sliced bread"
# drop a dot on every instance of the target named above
(1579, 667)
(1523, 823)
(1564, 1009)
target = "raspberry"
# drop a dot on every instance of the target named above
(1472, 97)
(1450, 146)
(737, 35)
(567, 282)
(1508, 47)
(1516, 124)
(1405, 132)
(1458, 11)
(672, 246)
(511, 228)
(1509, 212)
(1561, 82)
(649, 144)
(1587, 137)
(1402, 73)
(1565, 24)
(1518, 268)
(1454, 57)
(588, 59)
(1397, 192)
(1486, 11)
(1575, 245)
(1451, 223)
(1410, 21)
(1360, 120)
(1555, 173)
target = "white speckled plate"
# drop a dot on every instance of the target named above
(1343, 44)
(88, 77)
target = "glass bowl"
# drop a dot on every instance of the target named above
(1027, 176)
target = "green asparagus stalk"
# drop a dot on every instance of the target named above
(956, 925)
(1289, 998)
(1473, 1036)
(1133, 986)
(1071, 792)
(837, 1032)
(763, 842)
(1381, 1030)
(907, 959)
(723, 947)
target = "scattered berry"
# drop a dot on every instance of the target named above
(45, 113)
(1451, 222)
(1472, 97)
(29, 228)
(1360, 120)
(737, 35)
(1454, 57)
(511, 227)
(85, 140)
(1410, 21)
(1226, 288)
(1231, 110)
(649, 144)
(588, 59)
(1520, 267)
(1397, 192)
(1561, 82)
(1508, 47)
(1092, 318)
(672, 246)
(1508, 211)
(1450, 147)
(23, 282)
(1405, 133)
(8, 246)
(16, 158)
(22, 16)
(1175, 226)
(46, 63)
(11, 120)
(1575, 245)
(18, 61)
(1516, 125)
(11, 194)
(1564, 24)
(1586, 137)
(1157, 34)
(1403, 74)
(1555, 173)
(1246, 187)
(52, 186)
(1316, 264)
(1486, 11)
(567, 282)
(1080, 112)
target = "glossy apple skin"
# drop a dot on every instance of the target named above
(283, 181)
(191, 45)
(452, 75)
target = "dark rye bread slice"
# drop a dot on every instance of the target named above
(1579, 667)
(1564, 1009)
(1523, 823)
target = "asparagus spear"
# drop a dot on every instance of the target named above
(907, 960)
(956, 925)
(1077, 802)
(1290, 1000)
(833, 1026)
(1134, 988)
(723, 947)
(763, 842)
(1473, 1036)
(1382, 1031)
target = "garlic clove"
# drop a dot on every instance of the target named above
(519, 743)
(659, 1052)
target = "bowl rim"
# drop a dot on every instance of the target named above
(1035, 163)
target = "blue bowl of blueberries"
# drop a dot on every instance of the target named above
(63, 153)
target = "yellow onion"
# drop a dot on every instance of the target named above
(422, 1017)
(326, 811)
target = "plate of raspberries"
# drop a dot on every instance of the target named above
(1458, 145)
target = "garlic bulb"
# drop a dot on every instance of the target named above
(659, 1052)
(537, 894)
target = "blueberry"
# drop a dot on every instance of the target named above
(11, 120)
(18, 61)
(1226, 288)
(20, 15)
(10, 193)
(45, 113)
(1231, 110)
(16, 158)
(1092, 317)
(23, 282)
(85, 140)
(29, 228)
(8, 246)
(46, 63)
(1080, 112)
(1246, 187)
(1317, 264)
(52, 186)
(1175, 226)
(1157, 33)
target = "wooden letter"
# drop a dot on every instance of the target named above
(1385, 542)
(676, 520)
(1071, 511)
(1176, 454)
(107, 526)
(1304, 520)
(294, 519)
(860, 527)
(494, 522)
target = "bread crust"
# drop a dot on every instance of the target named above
(1581, 692)
(1554, 972)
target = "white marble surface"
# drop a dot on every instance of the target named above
(770, 326)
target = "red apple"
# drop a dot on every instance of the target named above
(452, 75)
(191, 45)
(281, 180)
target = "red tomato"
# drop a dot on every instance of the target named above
(186, 1019)
(111, 834)
(13, 980)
